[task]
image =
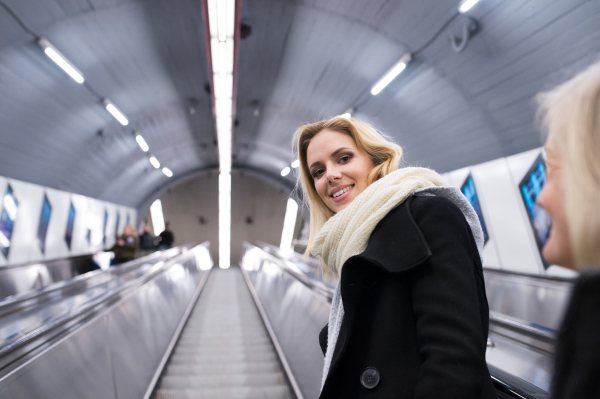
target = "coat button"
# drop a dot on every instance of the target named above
(370, 378)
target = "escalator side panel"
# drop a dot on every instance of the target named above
(296, 314)
(116, 354)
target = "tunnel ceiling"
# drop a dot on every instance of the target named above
(303, 61)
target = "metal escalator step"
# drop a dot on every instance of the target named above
(233, 368)
(223, 358)
(224, 351)
(214, 350)
(221, 380)
(271, 392)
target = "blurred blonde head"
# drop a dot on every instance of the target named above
(384, 154)
(129, 230)
(571, 115)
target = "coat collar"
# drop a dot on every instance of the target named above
(397, 244)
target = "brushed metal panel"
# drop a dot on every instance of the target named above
(535, 300)
(296, 314)
(133, 351)
(78, 367)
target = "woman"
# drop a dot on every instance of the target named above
(409, 317)
(571, 115)
(126, 245)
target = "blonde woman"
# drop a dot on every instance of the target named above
(409, 317)
(126, 246)
(571, 115)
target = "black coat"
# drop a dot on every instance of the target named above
(577, 367)
(415, 310)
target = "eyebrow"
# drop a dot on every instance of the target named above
(333, 154)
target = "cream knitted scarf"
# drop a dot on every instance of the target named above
(347, 233)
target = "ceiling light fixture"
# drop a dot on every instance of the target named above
(286, 171)
(60, 60)
(167, 172)
(114, 111)
(466, 5)
(154, 162)
(158, 219)
(289, 224)
(221, 26)
(391, 74)
(296, 163)
(140, 140)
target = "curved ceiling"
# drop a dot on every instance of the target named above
(303, 61)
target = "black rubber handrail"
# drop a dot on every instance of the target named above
(530, 275)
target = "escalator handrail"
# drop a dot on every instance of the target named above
(288, 267)
(543, 277)
(514, 386)
(98, 302)
(10, 301)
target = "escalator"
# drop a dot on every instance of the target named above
(224, 351)
(172, 326)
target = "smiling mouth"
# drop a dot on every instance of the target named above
(342, 191)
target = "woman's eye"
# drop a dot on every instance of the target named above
(317, 173)
(345, 158)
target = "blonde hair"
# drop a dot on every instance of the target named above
(384, 154)
(571, 115)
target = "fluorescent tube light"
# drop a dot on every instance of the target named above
(296, 163)
(346, 115)
(391, 74)
(224, 220)
(466, 5)
(289, 224)
(140, 140)
(167, 172)
(158, 220)
(114, 111)
(154, 162)
(222, 20)
(60, 60)
(286, 171)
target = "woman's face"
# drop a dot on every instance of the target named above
(557, 250)
(126, 230)
(340, 171)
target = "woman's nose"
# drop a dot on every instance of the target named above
(333, 174)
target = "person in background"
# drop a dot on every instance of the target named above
(126, 246)
(166, 238)
(571, 195)
(147, 241)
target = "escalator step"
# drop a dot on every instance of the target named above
(203, 369)
(271, 392)
(221, 381)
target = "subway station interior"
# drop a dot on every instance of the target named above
(175, 119)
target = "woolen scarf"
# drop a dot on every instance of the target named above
(347, 233)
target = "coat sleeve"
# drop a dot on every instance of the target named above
(446, 305)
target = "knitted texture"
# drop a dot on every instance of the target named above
(347, 233)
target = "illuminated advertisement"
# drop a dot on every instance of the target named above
(10, 206)
(44, 222)
(70, 226)
(530, 187)
(468, 189)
